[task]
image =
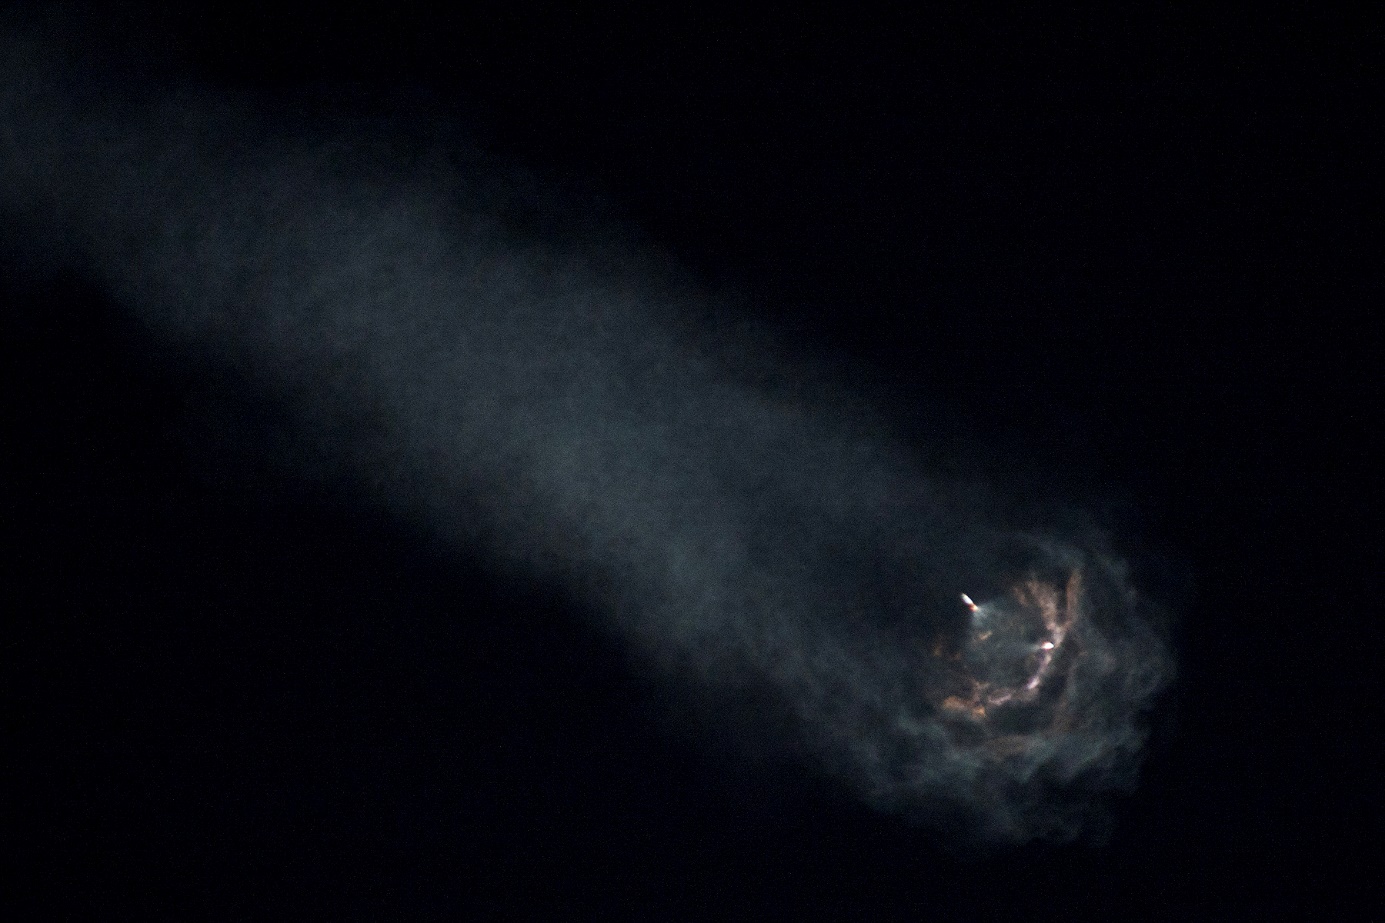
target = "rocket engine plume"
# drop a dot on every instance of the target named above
(556, 400)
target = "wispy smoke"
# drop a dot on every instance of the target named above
(539, 389)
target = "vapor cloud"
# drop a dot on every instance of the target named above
(550, 392)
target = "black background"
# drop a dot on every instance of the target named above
(1131, 253)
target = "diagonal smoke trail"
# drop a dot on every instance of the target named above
(552, 396)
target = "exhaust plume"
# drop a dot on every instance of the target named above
(553, 395)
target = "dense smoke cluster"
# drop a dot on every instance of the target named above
(551, 397)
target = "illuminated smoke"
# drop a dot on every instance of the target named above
(549, 395)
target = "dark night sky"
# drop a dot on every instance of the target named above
(1131, 255)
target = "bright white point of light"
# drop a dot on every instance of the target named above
(1047, 645)
(967, 599)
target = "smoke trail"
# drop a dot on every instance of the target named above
(551, 395)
